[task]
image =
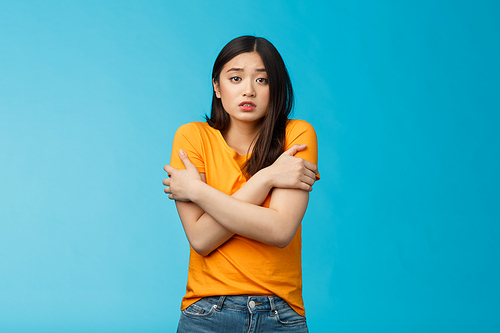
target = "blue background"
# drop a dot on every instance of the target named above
(402, 232)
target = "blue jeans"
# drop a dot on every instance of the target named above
(245, 314)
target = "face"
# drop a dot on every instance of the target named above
(243, 88)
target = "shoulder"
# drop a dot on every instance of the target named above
(300, 132)
(193, 127)
(192, 138)
(296, 127)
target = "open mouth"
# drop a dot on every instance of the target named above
(247, 104)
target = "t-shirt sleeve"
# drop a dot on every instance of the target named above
(301, 132)
(188, 138)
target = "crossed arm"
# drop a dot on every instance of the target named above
(210, 217)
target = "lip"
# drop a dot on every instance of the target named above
(247, 106)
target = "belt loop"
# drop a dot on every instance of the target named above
(221, 301)
(271, 301)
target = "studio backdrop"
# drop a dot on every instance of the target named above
(402, 231)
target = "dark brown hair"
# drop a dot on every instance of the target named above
(270, 140)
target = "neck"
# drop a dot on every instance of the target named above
(241, 136)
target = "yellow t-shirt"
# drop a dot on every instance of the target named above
(241, 266)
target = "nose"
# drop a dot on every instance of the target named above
(248, 89)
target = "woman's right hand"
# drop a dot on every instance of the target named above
(292, 172)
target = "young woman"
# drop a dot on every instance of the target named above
(241, 183)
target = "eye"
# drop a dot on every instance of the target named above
(235, 79)
(262, 80)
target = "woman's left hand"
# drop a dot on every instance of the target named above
(181, 183)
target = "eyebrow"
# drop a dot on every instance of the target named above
(242, 70)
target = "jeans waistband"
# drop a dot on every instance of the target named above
(251, 303)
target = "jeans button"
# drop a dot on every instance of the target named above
(252, 304)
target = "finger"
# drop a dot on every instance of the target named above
(311, 166)
(309, 176)
(167, 190)
(169, 169)
(186, 161)
(166, 182)
(307, 179)
(305, 187)
(294, 149)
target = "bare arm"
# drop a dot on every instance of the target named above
(204, 233)
(275, 225)
(292, 178)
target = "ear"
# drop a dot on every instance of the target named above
(216, 88)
